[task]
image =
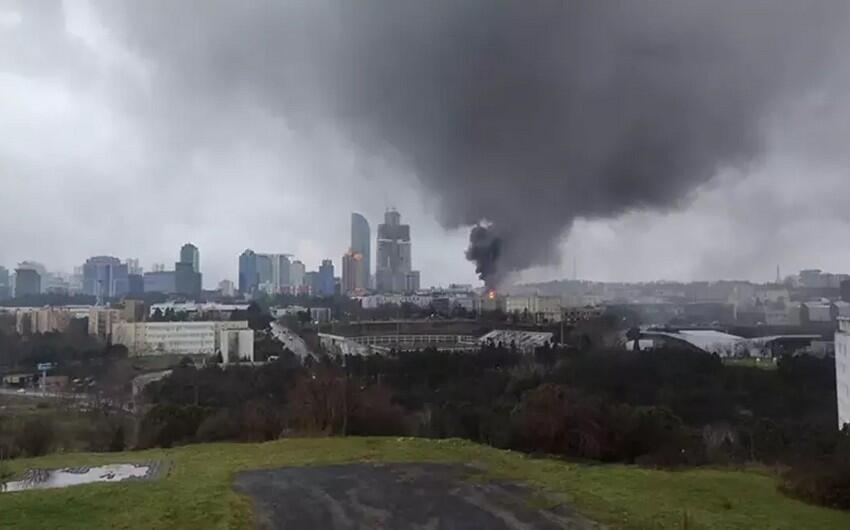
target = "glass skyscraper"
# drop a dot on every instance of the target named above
(361, 243)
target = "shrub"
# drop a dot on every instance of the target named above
(826, 483)
(223, 425)
(375, 414)
(167, 425)
(5, 471)
(36, 437)
(261, 421)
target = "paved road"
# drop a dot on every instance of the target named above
(47, 395)
(291, 340)
(398, 497)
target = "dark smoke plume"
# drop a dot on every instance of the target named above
(484, 250)
(527, 114)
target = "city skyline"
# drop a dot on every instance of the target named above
(282, 184)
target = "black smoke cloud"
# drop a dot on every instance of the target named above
(526, 114)
(484, 250)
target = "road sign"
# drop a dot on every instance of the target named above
(43, 367)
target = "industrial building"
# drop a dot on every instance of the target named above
(539, 308)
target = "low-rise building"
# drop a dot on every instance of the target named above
(19, 380)
(152, 338)
(842, 370)
(818, 312)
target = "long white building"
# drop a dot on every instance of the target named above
(842, 370)
(152, 338)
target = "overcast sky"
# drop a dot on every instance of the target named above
(118, 138)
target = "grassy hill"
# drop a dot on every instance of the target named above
(198, 494)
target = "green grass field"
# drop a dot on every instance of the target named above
(197, 492)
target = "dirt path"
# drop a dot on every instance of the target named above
(398, 497)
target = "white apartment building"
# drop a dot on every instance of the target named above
(152, 338)
(842, 370)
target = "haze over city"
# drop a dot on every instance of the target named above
(401, 264)
(131, 133)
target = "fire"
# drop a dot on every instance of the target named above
(491, 294)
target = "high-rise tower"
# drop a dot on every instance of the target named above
(361, 244)
(393, 270)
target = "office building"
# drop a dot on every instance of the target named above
(135, 284)
(226, 288)
(27, 282)
(185, 338)
(133, 266)
(273, 271)
(297, 270)
(189, 253)
(361, 243)
(105, 277)
(326, 278)
(5, 285)
(248, 278)
(393, 270)
(187, 282)
(34, 265)
(353, 264)
(164, 282)
(842, 370)
(187, 275)
(55, 283)
(265, 272)
(281, 270)
(270, 273)
(311, 283)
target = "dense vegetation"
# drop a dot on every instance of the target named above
(659, 408)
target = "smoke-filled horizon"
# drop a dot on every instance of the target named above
(528, 116)
(523, 119)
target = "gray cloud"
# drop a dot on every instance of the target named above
(181, 120)
(527, 117)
